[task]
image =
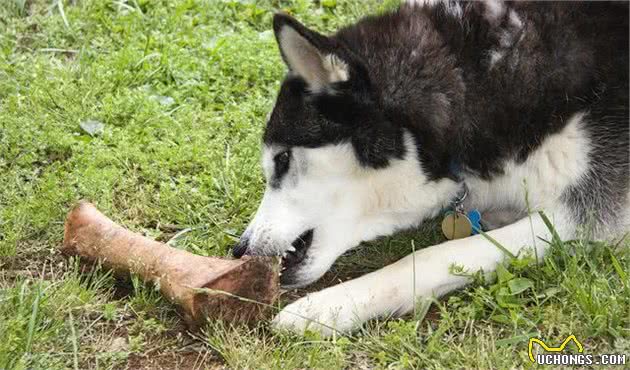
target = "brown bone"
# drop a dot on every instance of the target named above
(180, 275)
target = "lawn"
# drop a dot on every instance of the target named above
(154, 110)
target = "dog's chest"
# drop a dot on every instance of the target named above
(540, 180)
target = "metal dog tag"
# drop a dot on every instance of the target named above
(456, 226)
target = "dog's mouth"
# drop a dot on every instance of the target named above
(296, 254)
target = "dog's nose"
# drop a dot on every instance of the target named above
(241, 247)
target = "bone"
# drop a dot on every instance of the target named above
(204, 288)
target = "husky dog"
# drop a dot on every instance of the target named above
(383, 124)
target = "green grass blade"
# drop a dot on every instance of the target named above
(75, 345)
(33, 321)
(554, 234)
(617, 266)
(497, 244)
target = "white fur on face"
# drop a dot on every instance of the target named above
(327, 190)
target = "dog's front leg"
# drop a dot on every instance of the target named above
(390, 290)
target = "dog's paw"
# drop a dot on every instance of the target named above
(319, 312)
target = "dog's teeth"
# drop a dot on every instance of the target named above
(291, 249)
(284, 254)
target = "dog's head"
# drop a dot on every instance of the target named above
(338, 170)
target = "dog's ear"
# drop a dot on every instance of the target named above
(316, 58)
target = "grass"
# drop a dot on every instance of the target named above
(177, 93)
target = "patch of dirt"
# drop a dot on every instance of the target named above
(174, 360)
(33, 262)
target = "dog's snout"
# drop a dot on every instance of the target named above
(240, 248)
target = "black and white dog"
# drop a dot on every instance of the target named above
(381, 125)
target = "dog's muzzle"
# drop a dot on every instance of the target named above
(290, 257)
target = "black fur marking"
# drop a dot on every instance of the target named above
(281, 163)
(315, 119)
(426, 71)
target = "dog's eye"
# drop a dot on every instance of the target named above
(281, 161)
